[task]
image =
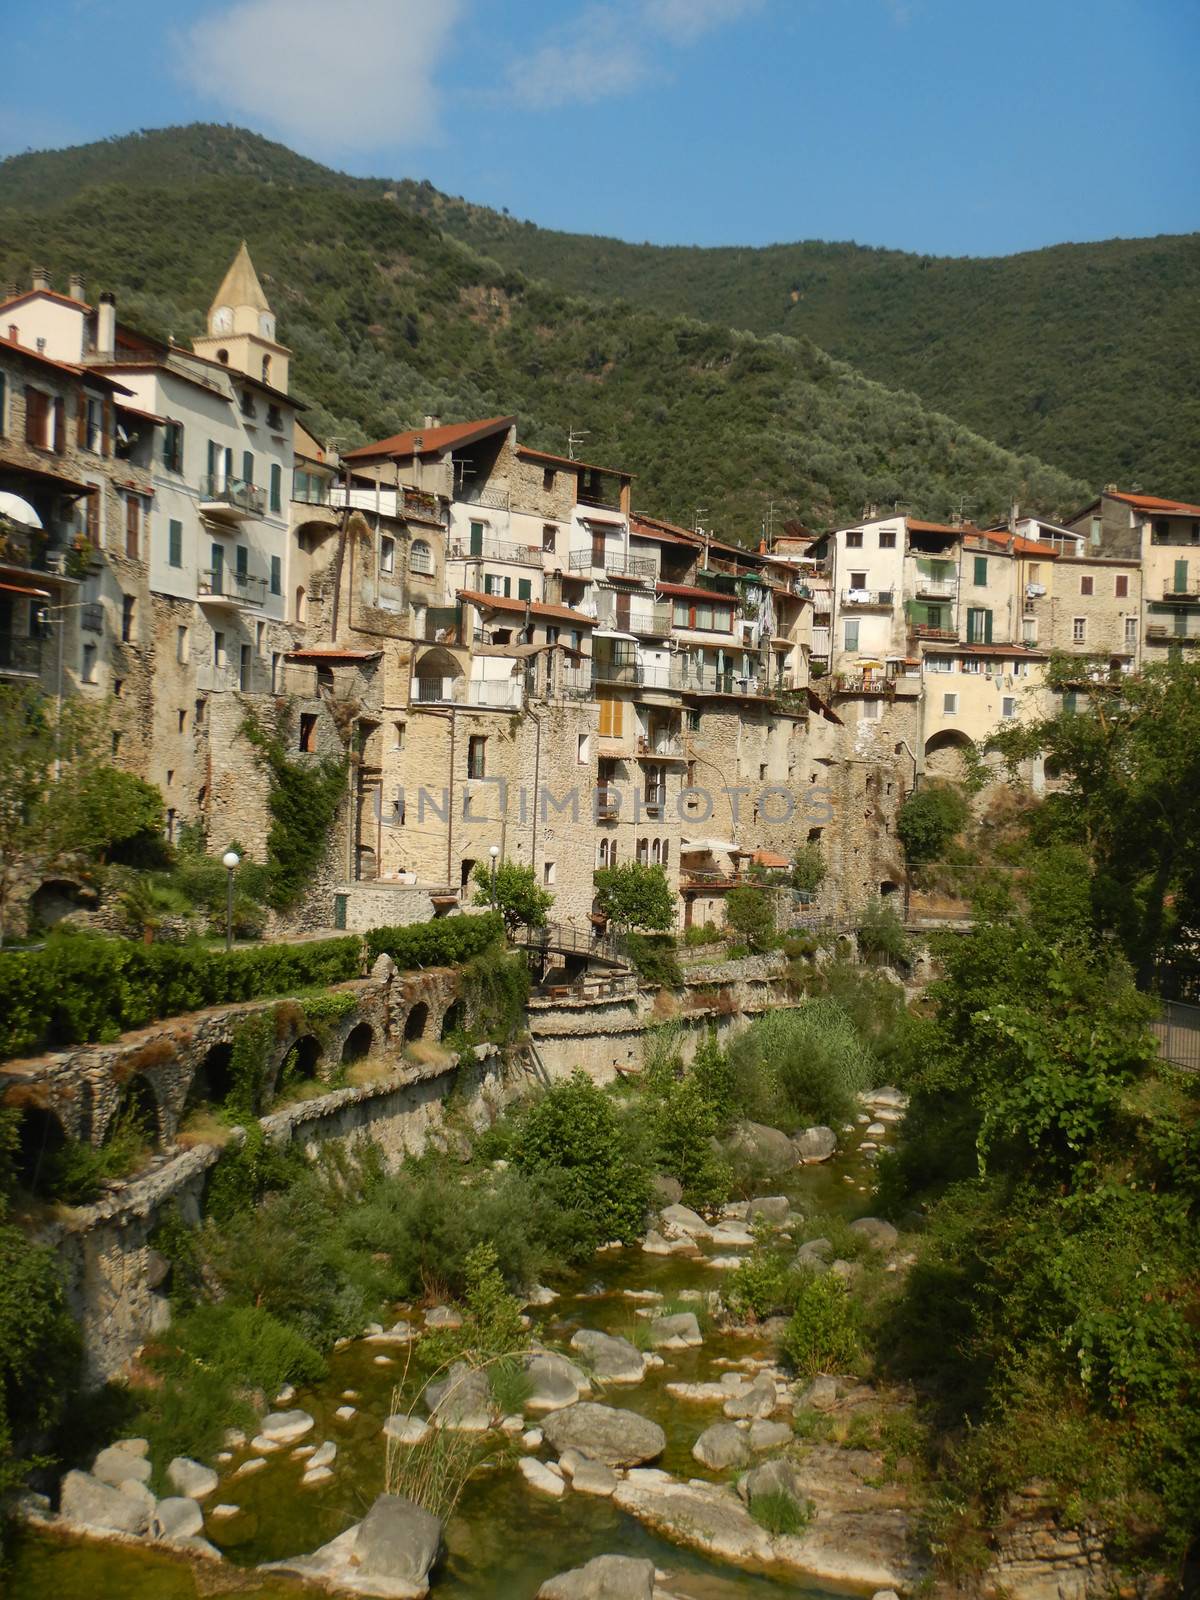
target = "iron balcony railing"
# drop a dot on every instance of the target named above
(490, 499)
(867, 597)
(499, 694)
(524, 555)
(654, 623)
(240, 587)
(234, 492)
(935, 588)
(1190, 590)
(665, 745)
(1162, 633)
(577, 683)
(614, 564)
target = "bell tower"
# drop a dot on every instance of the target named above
(241, 327)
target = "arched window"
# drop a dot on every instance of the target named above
(666, 852)
(656, 852)
(301, 604)
(420, 557)
(266, 369)
(602, 854)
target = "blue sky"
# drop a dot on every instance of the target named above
(949, 126)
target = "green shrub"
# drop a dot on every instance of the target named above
(574, 1139)
(779, 1514)
(808, 869)
(701, 934)
(929, 819)
(881, 932)
(82, 989)
(715, 1078)
(801, 1066)
(247, 1171)
(822, 1332)
(653, 958)
(764, 1284)
(39, 1351)
(682, 1127)
(444, 942)
(750, 913)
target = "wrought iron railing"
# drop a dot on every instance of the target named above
(234, 492)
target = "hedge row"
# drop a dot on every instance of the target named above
(89, 990)
(445, 942)
(83, 990)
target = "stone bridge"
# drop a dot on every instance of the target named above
(182, 1063)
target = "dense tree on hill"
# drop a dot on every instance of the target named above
(390, 319)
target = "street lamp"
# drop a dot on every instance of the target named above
(231, 861)
(494, 852)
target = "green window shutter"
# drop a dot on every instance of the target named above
(508, 588)
(477, 538)
(276, 486)
(981, 572)
(218, 568)
(212, 458)
(242, 563)
(276, 575)
(524, 589)
(175, 543)
(1181, 577)
(247, 466)
(987, 627)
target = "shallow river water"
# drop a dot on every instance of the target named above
(504, 1539)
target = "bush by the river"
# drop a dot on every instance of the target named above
(801, 1066)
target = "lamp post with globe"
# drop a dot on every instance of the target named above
(231, 861)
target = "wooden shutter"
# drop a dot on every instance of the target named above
(132, 509)
(60, 424)
(35, 417)
(93, 518)
(106, 427)
(81, 416)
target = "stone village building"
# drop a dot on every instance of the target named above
(511, 655)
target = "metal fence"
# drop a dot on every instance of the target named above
(1177, 1030)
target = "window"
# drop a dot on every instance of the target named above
(854, 539)
(693, 722)
(276, 670)
(524, 589)
(1008, 706)
(583, 749)
(939, 664)
(1034, 574)
(1079, 630)
(301, 606)
(1097, 524)
(871, 710)
(243, 565)
(477, 756)
(612, 716)
(642, 852)
(399, 730)
(276, 486)
(172, 447)
(858, 580)
(887, 539)
(980, 574)
(549, 538)
(1029, 630)
(979, 625)
(547, 477)
(181, 643)
(950, 705)
(276, 575)
(88, 672)
(1162, 531)
(850, 635)
(666, 852)
(260, 634)
(1131, 631)
(1087, 585)
(92, 416)
(387, 554)
(274, 415)
(420, 557)
(174, 543)
(93, 504)
(218, 649)
(118, 685)
(1121, 586)
(681, 616)
(308, 731)
(133, 523)
(37, 418)
(548, 873)
(127, 605)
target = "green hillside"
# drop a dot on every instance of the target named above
(390, 318)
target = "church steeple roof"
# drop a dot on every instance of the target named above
(240, 285)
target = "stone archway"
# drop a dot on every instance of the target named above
(40, 1138)
(359, 1043)
(454, 1019)
(945, 755)
(416, 1022)
(136, 1109)
(212, 1079)
(301, 1063)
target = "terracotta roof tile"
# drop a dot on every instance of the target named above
(433, 440)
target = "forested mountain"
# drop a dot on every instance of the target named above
(390, 318)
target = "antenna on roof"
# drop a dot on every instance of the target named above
(575, 438)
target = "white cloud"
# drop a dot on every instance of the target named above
(611, 48)
(358, 75)
(686, 20)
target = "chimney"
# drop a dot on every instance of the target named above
(41, 278)
(106, 325)
(76, 289)
(1014, 516)
(433, 422)
(1110, 488)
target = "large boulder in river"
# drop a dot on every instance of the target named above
(118, 1465)
(618, 1438)
(604, 1578)
(554, 1382)
(86, 1502)
(461, 1400)
(191, 1478)
(680, 1331)
(780, 1476)
(766, 1148)
(676, 1220)
(815, 1144)
(723, 1445)
(610, 1358)
(398, 1542)
(880, 1235)
(177, 1517)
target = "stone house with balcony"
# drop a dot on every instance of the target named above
(1163, 537)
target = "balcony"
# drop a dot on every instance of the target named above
(20, 657)
(1162, 633)
(621, 672)
(661, 747)
(923, 630)
(652, 624)
(935, 588)
(234, 590)
(615, 564)
(1190, 590)
(576, 683)
(521, 555)
(500, 694)
(867, 599)
(606, 804)
(497, 498)
(710, 681)
(230, 499)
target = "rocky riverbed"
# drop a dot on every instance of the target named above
(652, 1426)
